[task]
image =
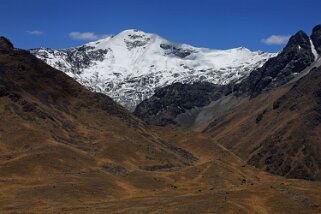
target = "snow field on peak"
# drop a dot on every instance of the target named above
(129, 66)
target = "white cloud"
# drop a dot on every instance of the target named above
(86, 36)
(276, 40)
(35, 32)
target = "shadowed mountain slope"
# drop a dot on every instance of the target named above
(171, 101)
(45, 103)
(278, 131)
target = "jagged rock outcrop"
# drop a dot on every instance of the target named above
(294, 58)
(316, 38)
(297, 55)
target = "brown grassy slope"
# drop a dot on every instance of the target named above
(219, 182)
(56, 136)
(64, 149)
(278, 131)
(51, 108)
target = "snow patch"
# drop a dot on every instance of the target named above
(314, 51)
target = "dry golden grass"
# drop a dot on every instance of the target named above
(64, 149)
(278, 131)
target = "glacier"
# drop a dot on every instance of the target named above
(131, 65)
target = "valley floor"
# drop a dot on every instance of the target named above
(218, 182)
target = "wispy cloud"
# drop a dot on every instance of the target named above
(35, 32)
(276, 40)
(86, 36)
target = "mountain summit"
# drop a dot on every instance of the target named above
(132, 64)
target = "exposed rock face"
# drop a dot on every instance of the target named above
(169, 102)
(162, 108)
(294, 58)
(5, 44)
(76, 59)
(177, 51)
(316, 38)
(295, 155)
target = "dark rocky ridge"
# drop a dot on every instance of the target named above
(294, 58)
(316, 38)
(80, 58)
(170, 101)
(280, 130)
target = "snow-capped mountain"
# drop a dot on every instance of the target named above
(129, 66)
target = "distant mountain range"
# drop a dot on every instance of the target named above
(131, 65)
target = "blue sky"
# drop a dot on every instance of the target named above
(205, 23)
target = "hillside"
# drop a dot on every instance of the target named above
(278, 131)
(64, 149)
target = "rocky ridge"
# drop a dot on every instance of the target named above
(294, 61)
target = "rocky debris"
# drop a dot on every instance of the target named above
(114, 169)
(158, 167)
(182, 152)
(177, 51)
(316, 38)
(293, 151)
(278, 159)
(260, 117)
(296, 195)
